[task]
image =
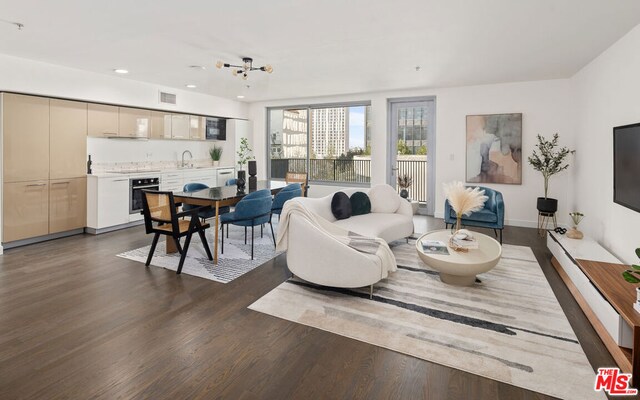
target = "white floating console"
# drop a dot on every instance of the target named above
(566, 251)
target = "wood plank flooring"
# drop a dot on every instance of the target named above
(76, 322)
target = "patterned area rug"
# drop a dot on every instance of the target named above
(509, 327)
(235, 262)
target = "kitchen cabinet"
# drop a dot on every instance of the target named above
(25, 210)
(205, 176)
(172, 182)
(25, 125)
(102, 120)
(68, 139)
(223, 175)
(180, 126)
(67, 204)
(133, 122)
(108, 202)
(197, 125)
(160, 125)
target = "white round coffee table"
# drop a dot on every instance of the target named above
(460, 268)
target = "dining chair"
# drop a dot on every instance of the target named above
(162, 218)
(287, 193)
(231, 182)
(253, 209)
(207, 213)
(298, 177)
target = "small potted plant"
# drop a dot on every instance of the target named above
(574, 233)
(244, 155)
(631, 275)
(404, 183)
(548, 159)
(216, 153)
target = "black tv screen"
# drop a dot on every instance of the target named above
(626, 166)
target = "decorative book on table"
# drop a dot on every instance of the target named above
(434, 247)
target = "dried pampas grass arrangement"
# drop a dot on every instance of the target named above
(463, 200)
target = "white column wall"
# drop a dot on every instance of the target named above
(606, 93)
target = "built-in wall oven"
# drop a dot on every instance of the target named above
(136, 186)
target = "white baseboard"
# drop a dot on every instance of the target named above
(1, 250)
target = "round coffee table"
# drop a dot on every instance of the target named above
(460, 268)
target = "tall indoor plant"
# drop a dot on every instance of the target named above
(244, 155)
(548, 159)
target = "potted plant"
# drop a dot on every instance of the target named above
(548, 159)
(216, 153)
(244, 155)
(631, 275)
(404, 183)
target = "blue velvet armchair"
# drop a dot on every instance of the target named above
(491, 216)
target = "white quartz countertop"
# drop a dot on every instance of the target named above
(154, 173)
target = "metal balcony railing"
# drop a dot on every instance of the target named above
(351, 171)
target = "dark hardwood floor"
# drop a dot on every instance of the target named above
(77, 322)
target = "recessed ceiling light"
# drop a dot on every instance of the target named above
(120, 71)
(240, 97)
(197, 67)
(190, 86)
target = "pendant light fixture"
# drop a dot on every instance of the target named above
(244, 69)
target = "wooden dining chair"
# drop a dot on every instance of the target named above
(162, 218)
(298, 177)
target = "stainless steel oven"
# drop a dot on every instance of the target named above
(136, 186)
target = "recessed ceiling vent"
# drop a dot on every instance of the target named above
(167, 98)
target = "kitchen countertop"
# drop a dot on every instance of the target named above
(152, 173)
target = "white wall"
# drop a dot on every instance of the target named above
(546, 107)
(33, 77)
(606, 93)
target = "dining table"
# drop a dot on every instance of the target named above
(217, 197)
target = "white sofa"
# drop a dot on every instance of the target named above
(318, 258)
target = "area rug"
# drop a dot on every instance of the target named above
(509, 327)
(235, 262)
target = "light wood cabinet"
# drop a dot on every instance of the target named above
(133, 122)
(196, 127)
(26, 210)
(180, 126)
(68, 139)
(67, 204)
(25, 126)
(102, 120)
(160, 125)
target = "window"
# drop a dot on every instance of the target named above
(329, 143)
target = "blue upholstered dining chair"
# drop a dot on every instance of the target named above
(287, 193)
(253, 209)
(491, 216)
(231, 182)
(207, 213)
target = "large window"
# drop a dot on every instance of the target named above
(330, 144)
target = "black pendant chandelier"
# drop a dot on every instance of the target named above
(244, 69)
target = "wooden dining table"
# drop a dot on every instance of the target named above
(217, 197)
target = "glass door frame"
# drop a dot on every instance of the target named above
(392, 143)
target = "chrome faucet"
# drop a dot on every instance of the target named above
(190, 156)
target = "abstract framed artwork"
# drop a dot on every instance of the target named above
(494, 148)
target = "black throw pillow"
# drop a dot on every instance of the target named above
(340, 205)
(360, 203)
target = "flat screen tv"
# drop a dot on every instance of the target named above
(626, 166)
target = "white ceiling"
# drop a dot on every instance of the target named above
(322, 47)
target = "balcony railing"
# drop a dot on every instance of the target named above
(352, 171)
